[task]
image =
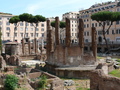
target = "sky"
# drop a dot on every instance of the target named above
(47, 8)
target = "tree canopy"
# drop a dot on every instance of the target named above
(14, 19)
(62, 24)
(106, 16)
(25, 17)
(37, 19)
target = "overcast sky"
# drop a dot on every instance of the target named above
(47, 8)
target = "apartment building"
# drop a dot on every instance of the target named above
(73, 16)
(113, 36)
(8, 34)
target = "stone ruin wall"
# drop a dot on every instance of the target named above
(100, 81)
(68, 55)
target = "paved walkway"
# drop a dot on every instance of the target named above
(33, 62)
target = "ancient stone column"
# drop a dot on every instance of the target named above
(57, 31)
(94, 42)
(81, 35)
(68, 33)
(23, 45)
(35, 41)
(48, 37)
(29, 47)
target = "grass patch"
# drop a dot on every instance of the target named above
(115, 73)
(99, 57)
(80, 88)
(118, 60)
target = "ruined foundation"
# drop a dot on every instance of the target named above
(67, 55)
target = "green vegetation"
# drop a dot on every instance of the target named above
(42, 82)
(106, 18)
(118, 60)
(82, 88)
(11, 82)
(25, 17)
(62, 24)
(100, 57)
(115, 73)
(35, 20)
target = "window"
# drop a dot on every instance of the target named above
(84, 26)
(42, 34)
(86, 40)
(87, 25)
(31, 29)
(37, 34)
(42, 29)
(8, 34)
(37, 29)
(26, 34)
(96, 24)
(8, 18)
(42, 25)
(21, 24)
(15, 34)
(117, 31)
(92, 24)
(7, 23)
(27, 24)
(117, 22)
(26, 29)
(99, 32)
(87, 33)
(84, 33)
(21, 34)
(31, 34)
(7, 28)
(31, 24)
(99, 24)
(113, 32)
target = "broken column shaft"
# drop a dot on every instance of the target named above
(57, 31)
(94, 43)
(81, 35)
(68, 33)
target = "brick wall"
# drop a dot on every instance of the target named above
(100, 81)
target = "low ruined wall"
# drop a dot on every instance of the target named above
(34, 75)
(55, 82)
(23, 70)
(73, 73)
(100, 81)
(69, 56)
